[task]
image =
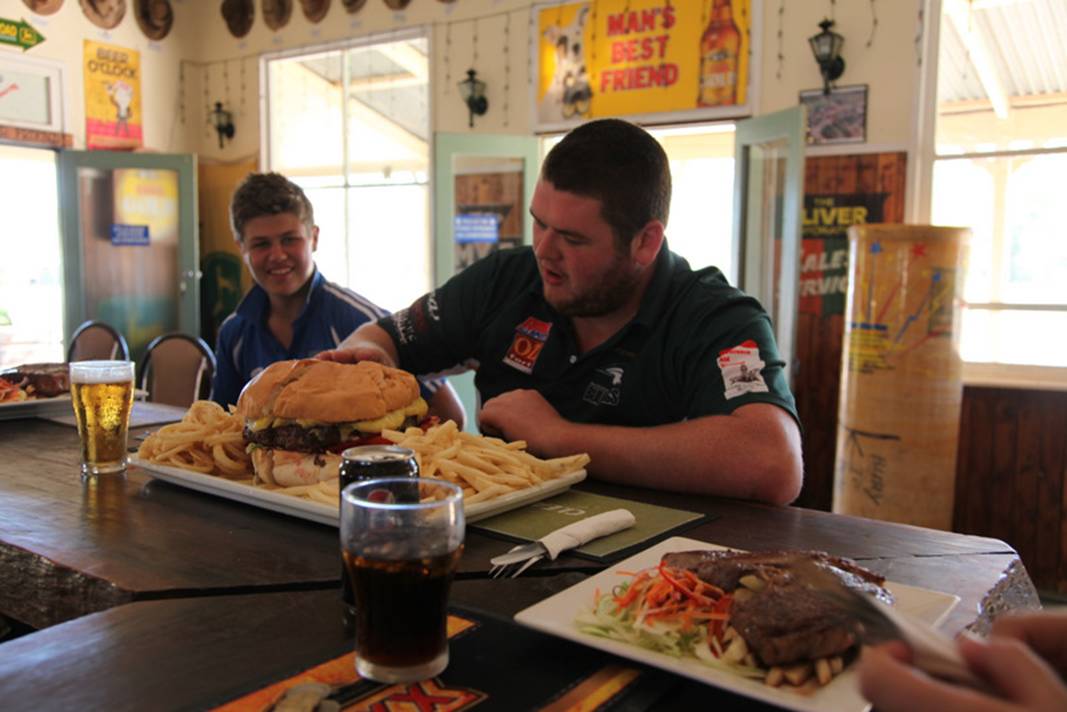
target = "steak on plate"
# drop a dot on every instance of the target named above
(40, 380)
(786, 620)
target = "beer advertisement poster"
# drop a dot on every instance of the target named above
(839, 192)
(113, 119)
(643, 59)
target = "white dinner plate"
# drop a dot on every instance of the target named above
(556, 615)
(327, 514)
(36, 407)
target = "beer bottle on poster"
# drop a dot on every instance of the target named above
(719, 49)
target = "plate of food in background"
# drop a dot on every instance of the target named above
(34, 389)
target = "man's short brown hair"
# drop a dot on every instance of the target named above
(262, 194)
(619, 164)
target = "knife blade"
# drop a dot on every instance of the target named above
(570, 536)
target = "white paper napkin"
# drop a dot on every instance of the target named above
(586, 530)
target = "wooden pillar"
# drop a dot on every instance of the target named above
(901, 384)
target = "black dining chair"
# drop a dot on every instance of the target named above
(97, 340)
(177, 369)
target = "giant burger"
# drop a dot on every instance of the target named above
(300, 415)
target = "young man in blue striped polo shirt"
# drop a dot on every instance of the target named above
(292, 311)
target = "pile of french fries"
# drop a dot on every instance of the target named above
(484, 467)
(208, 439)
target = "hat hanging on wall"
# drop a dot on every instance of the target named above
(104, 13)
(43, 7)
(155, 17)
(315, 10)
(238, 15)
(353, 5)
(397, 4)
(276, 13)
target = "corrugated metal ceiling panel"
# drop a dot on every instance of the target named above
(1026, 41)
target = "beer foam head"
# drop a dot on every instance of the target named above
(101, 371)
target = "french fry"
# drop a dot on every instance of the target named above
(823, 673)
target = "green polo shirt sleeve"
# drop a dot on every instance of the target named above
(732, 360)
(440, 330)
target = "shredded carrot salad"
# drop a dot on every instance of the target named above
(10, 392)
(668, 610)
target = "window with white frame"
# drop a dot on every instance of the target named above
(1000, 154)
(350, 124)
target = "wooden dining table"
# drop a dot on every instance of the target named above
(142, 593)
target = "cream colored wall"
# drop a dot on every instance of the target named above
(201, 38)
(889, 66)
(64, 32)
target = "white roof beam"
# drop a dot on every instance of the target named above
(981, 57)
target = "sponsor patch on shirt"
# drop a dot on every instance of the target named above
(607, 393)
(530, 338)
(742, 370)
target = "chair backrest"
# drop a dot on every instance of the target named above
(177, 369)
(95, 340)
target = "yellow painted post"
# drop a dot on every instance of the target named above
(901, 380)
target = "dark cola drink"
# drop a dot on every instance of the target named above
(401, 610)
(372, 462)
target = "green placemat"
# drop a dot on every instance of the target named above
(540, 518)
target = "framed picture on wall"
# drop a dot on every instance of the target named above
(838, 117)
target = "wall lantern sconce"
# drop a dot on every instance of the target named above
(826, 46)
(472, 91)
(222, 120)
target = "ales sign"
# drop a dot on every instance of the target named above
(639, 58)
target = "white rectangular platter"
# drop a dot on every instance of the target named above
(326, 514)
(36, 407)
(556, 615)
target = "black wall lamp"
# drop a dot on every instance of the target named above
(222, 120)
(472, 91)
(826, 46)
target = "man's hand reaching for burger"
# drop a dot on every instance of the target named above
(524, 415)
(368, 343)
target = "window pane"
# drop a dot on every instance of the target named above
(31, 272)
(331, 257)
(1021, 337)
(1035, 259)
(388, 117)
(963, 196)
(372, 99)
(388, 260)
(305, 114)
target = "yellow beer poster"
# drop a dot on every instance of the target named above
(639, 57)
(113, 117)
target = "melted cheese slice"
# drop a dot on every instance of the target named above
(389, 421)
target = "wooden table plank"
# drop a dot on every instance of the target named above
(69, 547)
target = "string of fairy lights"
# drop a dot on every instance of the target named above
(217, 72)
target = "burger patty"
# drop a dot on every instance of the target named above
(319, 438)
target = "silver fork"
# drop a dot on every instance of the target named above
(500, 570)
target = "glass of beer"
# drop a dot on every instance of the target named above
(400, 553)
(102, 393)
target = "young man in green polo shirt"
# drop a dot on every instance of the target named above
(599, 339)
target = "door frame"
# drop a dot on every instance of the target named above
(754, 269)
(68, 162)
